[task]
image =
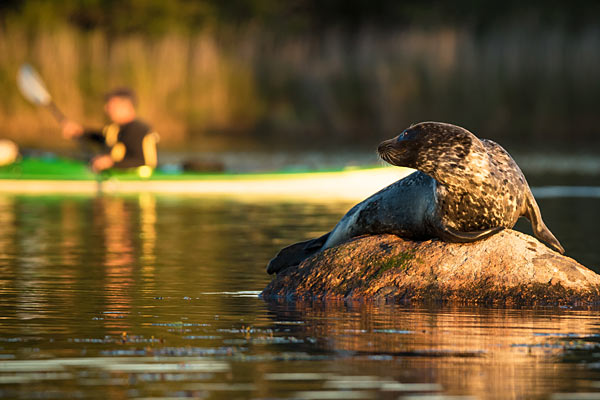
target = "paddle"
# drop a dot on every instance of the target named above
(33, 89)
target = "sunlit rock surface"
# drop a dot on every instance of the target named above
(508, 268)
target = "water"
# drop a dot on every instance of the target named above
(156, 297)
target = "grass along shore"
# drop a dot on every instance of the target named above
(247, 87)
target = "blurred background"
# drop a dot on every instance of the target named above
(270, 75)
(149, 294)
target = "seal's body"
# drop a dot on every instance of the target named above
(405, 208)
(465, 189)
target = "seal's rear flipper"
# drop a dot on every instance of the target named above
(448, 234)
(295, 254)
(540, 230)
(316, 244)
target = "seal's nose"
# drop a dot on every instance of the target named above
(384, 147)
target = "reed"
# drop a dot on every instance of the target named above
(224, 89)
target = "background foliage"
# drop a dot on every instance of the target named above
(302, 74)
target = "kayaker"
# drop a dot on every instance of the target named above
(9, 152)
(126, 141)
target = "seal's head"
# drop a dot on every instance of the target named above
(428, 145)
(448, 153)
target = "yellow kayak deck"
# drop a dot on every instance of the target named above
(342, 185)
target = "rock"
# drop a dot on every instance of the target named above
(508, 268)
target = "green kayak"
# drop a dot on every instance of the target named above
(59, 175)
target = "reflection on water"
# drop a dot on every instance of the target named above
(473, 351)
(154, 297)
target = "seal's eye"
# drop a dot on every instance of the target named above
(407, 135)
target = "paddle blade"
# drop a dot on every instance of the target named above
(32, 87)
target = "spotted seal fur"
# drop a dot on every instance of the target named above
(464, 189)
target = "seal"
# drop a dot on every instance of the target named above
(465, 189)
(479, 187)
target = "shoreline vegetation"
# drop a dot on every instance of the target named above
(241, 86)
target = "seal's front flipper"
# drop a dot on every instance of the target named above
(295, 254)
(540, 230)
(448, 234)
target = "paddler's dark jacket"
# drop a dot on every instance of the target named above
(130, 145)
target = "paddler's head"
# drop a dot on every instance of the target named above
(120, 105)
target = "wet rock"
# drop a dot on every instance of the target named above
(508, 268)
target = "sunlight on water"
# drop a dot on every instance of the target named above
(566, 191)
(240, 293)
(157, 297)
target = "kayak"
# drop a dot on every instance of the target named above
(58, 175)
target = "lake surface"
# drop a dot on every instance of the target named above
(156, 297)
